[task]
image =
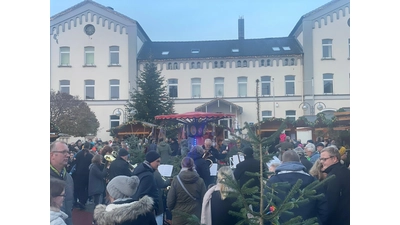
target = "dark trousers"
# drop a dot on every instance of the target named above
(81, 190)
(97, 199)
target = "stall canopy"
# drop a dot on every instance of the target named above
(195, 117)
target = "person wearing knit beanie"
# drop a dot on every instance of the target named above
(152, 156)
(123, 186)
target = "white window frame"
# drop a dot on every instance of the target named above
(266, 82)
(244, 63)
(286, 62)
(328, 47)
(114, 118)
(89, 52)
(227, 135)
(114, 52)
(242, 81)
(65, 50)
(193, 65)
(268, 62)
(113, 86)
(290, 81)
(65, 86)
(169, 66)
(266, 112)
(292, 62)
(88, 86)
(196, 82)
(327, 80)
(170, 85)
(291, 116)
(176, 66)
(219, 81)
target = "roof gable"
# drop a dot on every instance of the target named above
(220, 48)
(203, 108)
(319, 12)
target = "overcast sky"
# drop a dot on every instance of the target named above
(195, 20)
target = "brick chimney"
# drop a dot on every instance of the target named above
(241, 28)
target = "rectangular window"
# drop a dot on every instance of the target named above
(114, 55)
(173, 88)
(328, 83)
(291, 115)
(266, 114)
(276, 49)
(286, 48)
(235, 50)
(114, 121)
(327, 48)
(89, 56)
(265, 85)
(114, 89)
(289, 84)
(64, 56)
(64, 86)
(165, 53)
(195, 51)
(196, 87)
(242, 86)
(219, 86)
(89, 89)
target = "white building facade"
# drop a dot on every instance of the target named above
(97, 53)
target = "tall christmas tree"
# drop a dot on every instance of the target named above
(150, 98)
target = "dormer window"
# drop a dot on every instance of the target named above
(235, 50)
(286, 48)
(195, 51)
(165, 53)
(276, 49)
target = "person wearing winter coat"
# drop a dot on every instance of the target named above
(148, 185)
(120, 166)
(57, 195)
(162, 184)
(81, 175)
(202, 165)
(291, 170)
(178, 200)
(184, 147)
(58, 162)
(337, 189)
(165, 151)
(123, 210)
(217, 203)
(97, 183)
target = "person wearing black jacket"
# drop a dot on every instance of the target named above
(291, 170)
(215, 154)
(81, 175)
(148, 185)
(337, 189)
(202, 165)
(120, 166)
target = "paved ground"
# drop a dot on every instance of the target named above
(83, 217)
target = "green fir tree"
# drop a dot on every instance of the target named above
(150, 98)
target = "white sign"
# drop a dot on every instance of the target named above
(214, 169)
(165, 170)
(235, 159)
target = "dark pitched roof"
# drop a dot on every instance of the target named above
(219, 48)
(311, 13)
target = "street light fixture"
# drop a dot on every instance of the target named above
(320, 106)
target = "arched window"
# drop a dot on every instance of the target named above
(286, 63)
(215, 64)
(221, 64)
(244, 63)
(175, 66)
(198, 65)
(268, 62)
(292, 62)
(262, 62)
(169, 66)
(239, 63)
(193, 65)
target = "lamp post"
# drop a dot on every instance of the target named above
(118, 112)
(305, 105)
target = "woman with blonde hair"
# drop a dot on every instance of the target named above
(316, 171)
(217, 203)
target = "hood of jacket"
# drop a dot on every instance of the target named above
(142, 168)
(56, 213)
(163, 144)
(121, 211)
(290, 167)
(188, 177)
(194, 155)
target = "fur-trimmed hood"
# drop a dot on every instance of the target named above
(121, 211)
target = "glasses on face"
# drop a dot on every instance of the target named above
(65, 152)
(62, 195)
(324, 159)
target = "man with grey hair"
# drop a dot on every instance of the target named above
(291, 170)
(338, 189)
(311, 152)
(306, 163)
(215, 154)
(59, 154)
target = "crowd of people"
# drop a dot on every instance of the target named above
(81, 172)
